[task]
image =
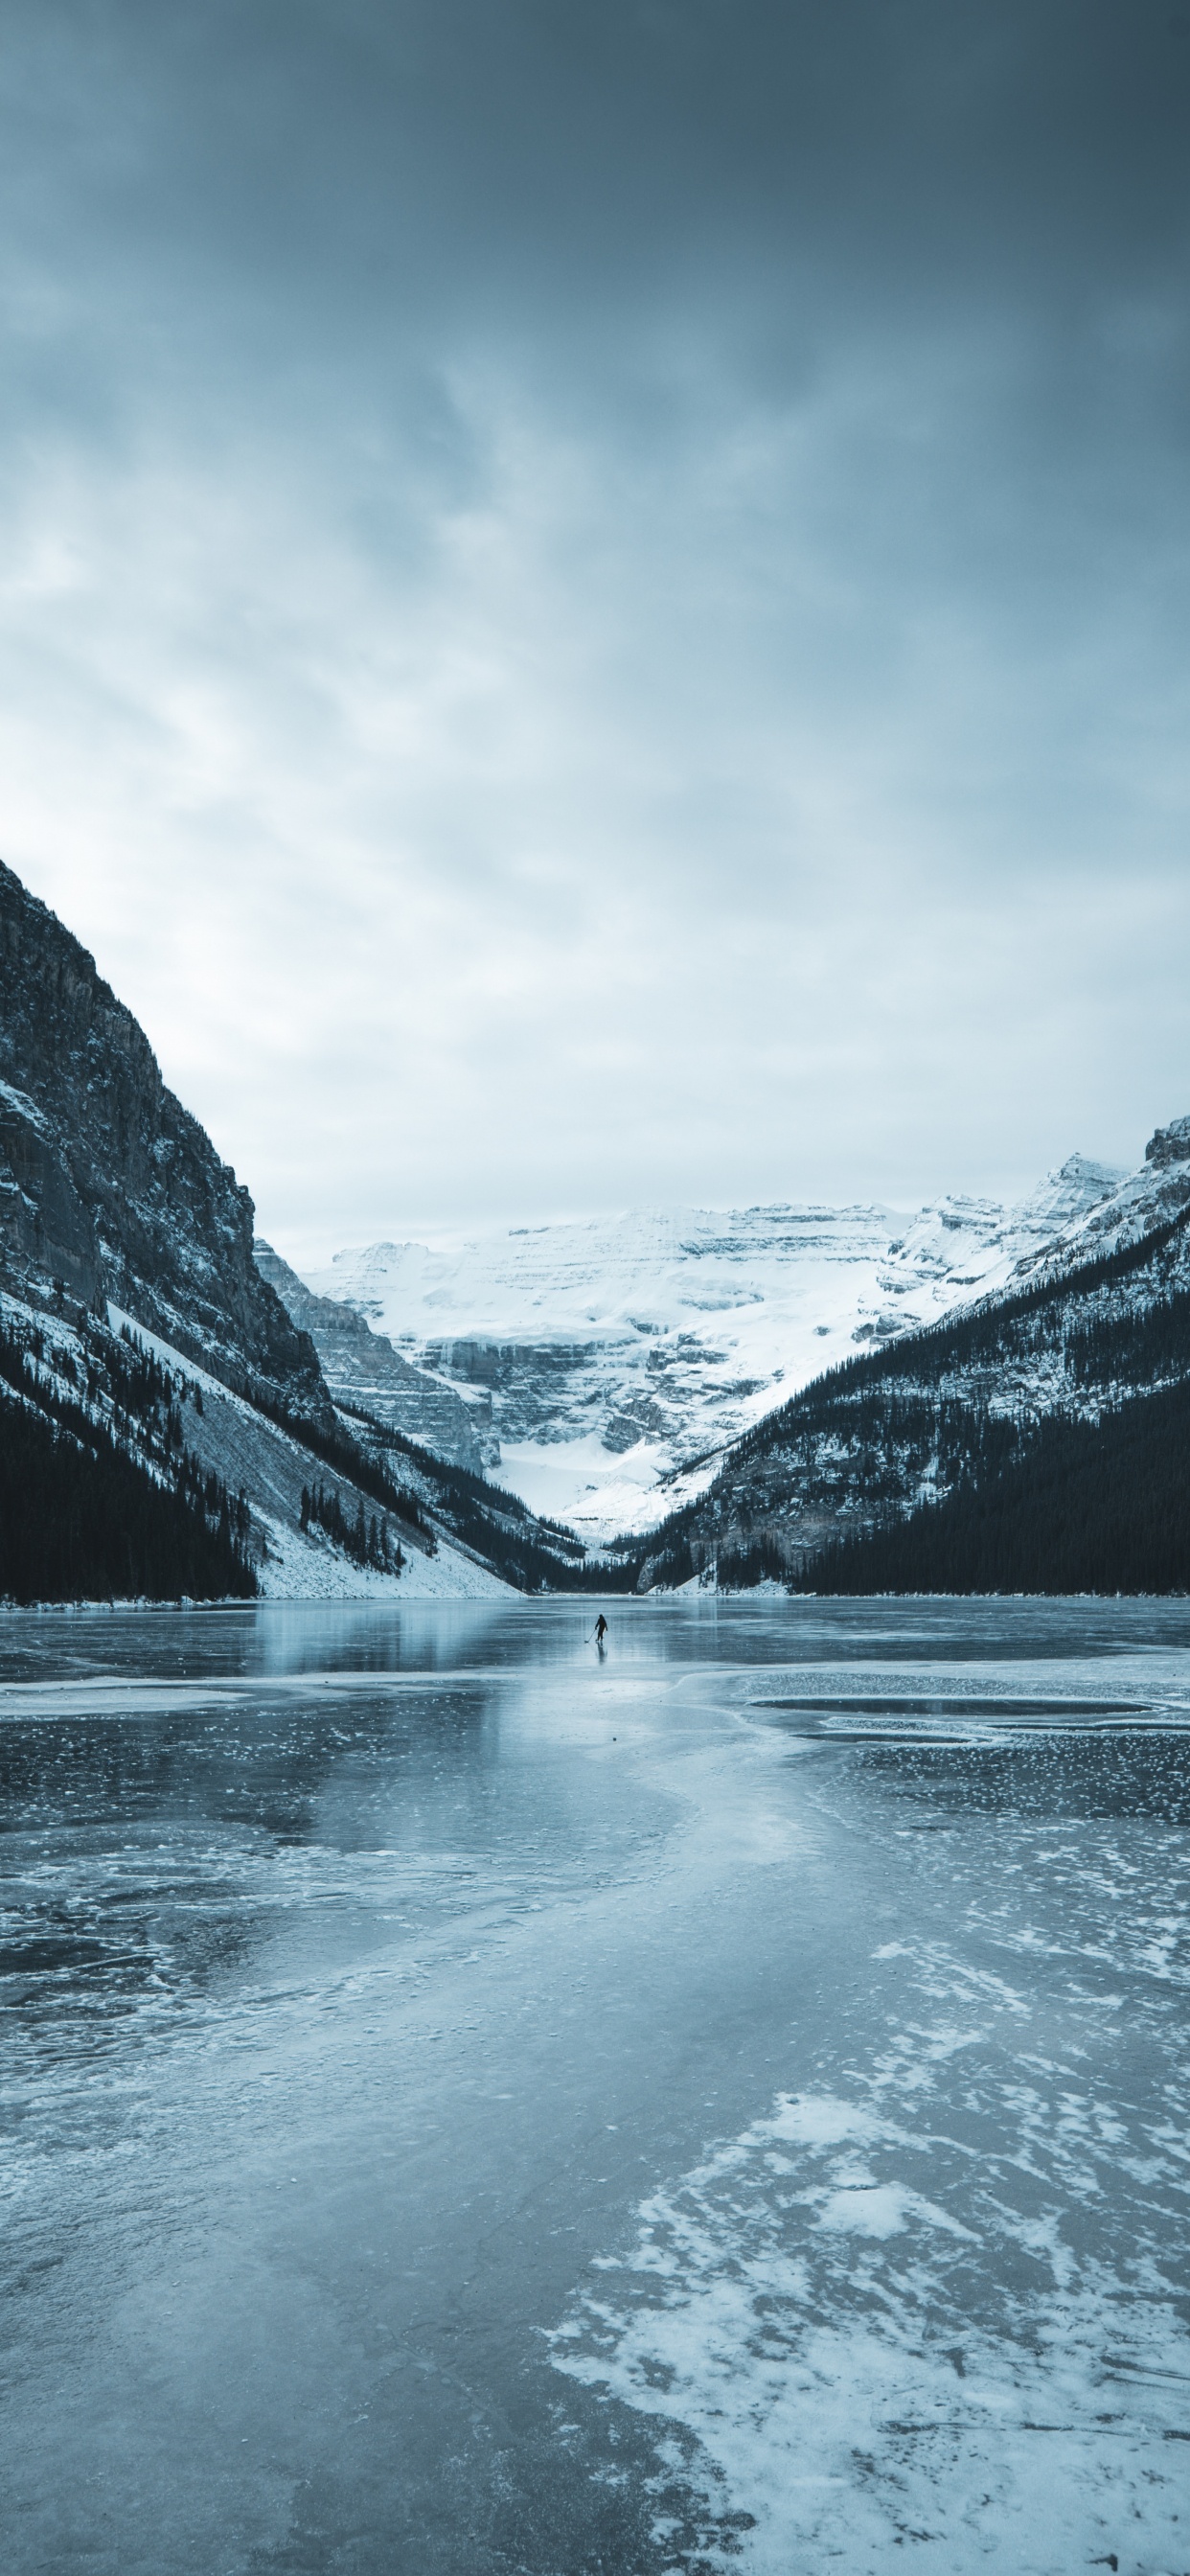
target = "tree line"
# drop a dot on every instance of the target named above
(1084, 1507)
(366, 1542)
(82, 1520)
(532, 1554)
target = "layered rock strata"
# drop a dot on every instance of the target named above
(363, 1371)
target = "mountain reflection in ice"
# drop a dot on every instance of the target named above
(471, 2108)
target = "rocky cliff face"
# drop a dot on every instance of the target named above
(362, 1369)
(1170, 1145)
(109, 1189)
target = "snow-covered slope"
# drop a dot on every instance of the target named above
(1139, 1201)
(1094, 1327)
(230, 1439)
(612, 1353)
(255, 1456)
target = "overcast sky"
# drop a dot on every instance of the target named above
(593, 599)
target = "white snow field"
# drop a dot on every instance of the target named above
(609, 1355)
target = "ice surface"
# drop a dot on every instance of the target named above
(471, 2108)
(949, 2306)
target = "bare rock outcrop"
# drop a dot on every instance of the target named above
(362, 1369)
(1170, 1144)
(109, 1188)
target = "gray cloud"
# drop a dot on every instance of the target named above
(594, 602)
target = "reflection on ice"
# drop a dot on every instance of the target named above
(474, 2109)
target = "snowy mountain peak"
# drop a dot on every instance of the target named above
(1132, 1206)
(607, 1351)
(1071, 1192)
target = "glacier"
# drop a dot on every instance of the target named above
(609, 1362)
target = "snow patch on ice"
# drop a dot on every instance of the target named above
(870, 2316)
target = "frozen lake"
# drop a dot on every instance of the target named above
(469, 2107)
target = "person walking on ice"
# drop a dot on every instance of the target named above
(600, 1631)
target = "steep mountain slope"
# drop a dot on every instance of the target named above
(147, 1368)
(126, 1410)
(1077, 1507)
(609, 1352)
(362, 1370)
(533, 1554)
(1139, 1202)
(81, 1517)
(277, 1463)
(109, 1187)
(951, 1409)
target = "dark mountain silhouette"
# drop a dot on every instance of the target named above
(109, 1187)
(1031, 1442)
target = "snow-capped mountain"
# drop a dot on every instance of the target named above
(604, 1357)
(1138, 1202)
(995, 1415)
(165, 1426)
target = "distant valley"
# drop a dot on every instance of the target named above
(598, 1360)
(970, 1397)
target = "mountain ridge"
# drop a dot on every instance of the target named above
(362, 1370)
(109, 1188)
(610, 1353)
(165, 1424)
(890, 1436)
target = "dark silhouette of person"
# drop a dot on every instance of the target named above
(600, 1631)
